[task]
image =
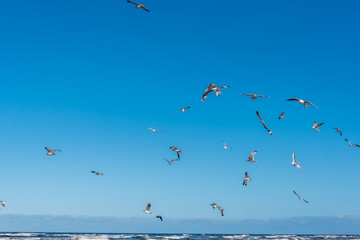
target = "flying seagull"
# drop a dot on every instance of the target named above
(251, 158)
(338, 130)
(212, 88)
(281, 116)
(175, 149)
(214, 205)
(296, 164)
(300, 197)
(147, 210)
(254, 96)
(170, 162)
(2, 203)
(139, 5)
(51, 152)
(303, 102)
(352, 144)
(160, 217)
(246, 179)
(97, 173)
(263, 123)
(316, 126)
(182, 110)
(226, 146)
(154, 129)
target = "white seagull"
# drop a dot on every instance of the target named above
(246, 179)
(281, 116)
(139, 5)
(251, 158)
(338, 130)
(294, 163)
(226, 146)
(147, 210)
(300, 197)
(303, 102)
(352, 144)
(51, 152)
(316, 126)
(263, 123)
(2, 203)
(154, 129)
(97, 173)
(254, 96)
(170, 162)
(175, 149)
(212, 88)
(182, 110)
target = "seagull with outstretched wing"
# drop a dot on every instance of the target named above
(160, 217)
(303, 102)
(254, 96)
(182, 110)
(213, 88)
(352, 144)
(171, 162)
(316, 126)
(282, 116)
(251, 157)
(51, 152)
(297, 165)
(147, 210)
(226, 146)
(97, 173)
(139, 5)
(263, 123)
(246, 179)
(154, 129)
(2, 203)
(300, 197)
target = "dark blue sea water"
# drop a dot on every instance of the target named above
(80, 236)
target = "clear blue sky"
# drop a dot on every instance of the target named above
(89, 77)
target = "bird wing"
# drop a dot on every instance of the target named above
(357, 145)
(178, 154)
(292, 99)
(207, 91)
(305, 201)
(246, 175)
(320, 124)
(174, 160)
(311, 103)
(186, 108)
(225, 144)
(145, 8)
(293, 156)
(223, 86)
(222, 211)
(47, 149)
(296, 194)
(253, 154)
(248, 94)
(261, 96)
(148, 207)
(133, 3)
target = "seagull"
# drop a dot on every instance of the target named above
(338, 130)
(246, 179)
(294, 163)
(301, 101)
(97, 173)
(316, 126)
(352, 144)
(2, 203)
(263, 123)
(160, 217)
(154, 129)
(213, 88)
(175, 149)
(170, 162)
(51, 152)
(254, 96)
(281, 116)
(300, 197)
(251, 158)
(147, 210)
(226, 146)
(182, 110)
(138, 5)
(214, 205)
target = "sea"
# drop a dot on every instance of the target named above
(103, 236)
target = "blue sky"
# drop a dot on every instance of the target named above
(89, 77)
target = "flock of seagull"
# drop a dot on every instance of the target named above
(217, 89)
